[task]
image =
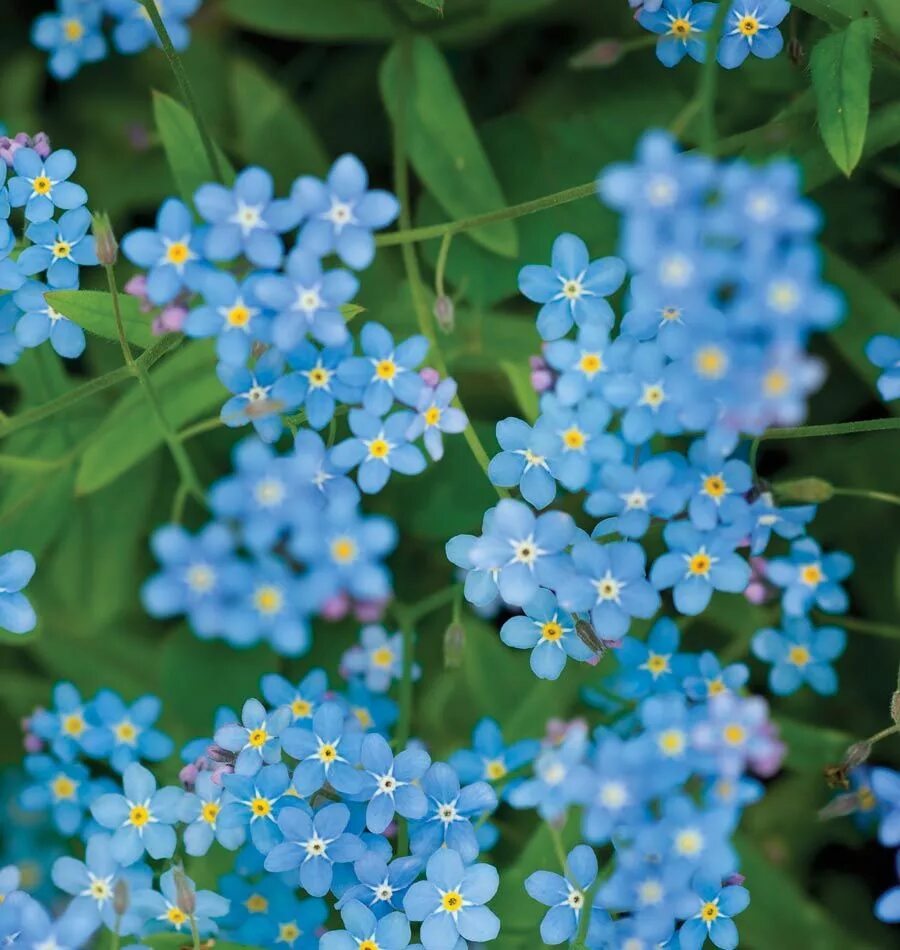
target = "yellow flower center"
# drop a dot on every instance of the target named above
(734, 733)
(42, 185)
(680, 28)
(551, 631)
(700, 564)
(139, 816)
(590, 363)
(74, 725)
(495, 769)
(61, 249)
(63, 787)
(811, 575)
(209, 812)
(177, 252)
(100, 890)
(657, 663)
(715, 486)
(256, 904)
(363, 717)
(126, 732)
(379, 449)
(383, 657)
(288, 933)
(451, 901)
(748, 25)
(653, 396)
(671, 742)
(268, 600)
(73, 30)
(176, 916)
(368, 945)
(716, 687)
(709, 911)
(799, 656)
(572, 289)
(327, 753)
(260, 807)
(776, 382)
(343, 550)
(238, 316)
(301, 708)
(574, 438)
(688, 841)
(386, 370)
(865, 798)
(319, 377)
(432, 416)
(258, 738)
(711, 362)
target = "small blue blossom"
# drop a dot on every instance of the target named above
(322, 388)
(16, 613)
(326, 752)
(59, 248)
(379, 446)
(683, 25)
(712, 919)
(651, 667)
(767, 518)
(565, 897)
(36, 928)
(302, 699)
(199, 810)
(62, 788)
(712, 679)
(378, 658)
(41, 184)
(560, 778)
(886, 786)
(620, 791)
(523, 462)
(883, 351)
(364, 929)
(260, 395)
(163, 909)
(887, 907)
(392, 784)
(490, 759)
(125, 733)
(800, 653)
(381, 886)
(645, 391)
(578, 442)
(64, 726)
(72, 36)
(39, 322)
(372, 711)
(719, 488)
(231, 313)
(810, 578)
(632, 496)
(435, 415)
(752, 27)
(257, 802)
(584, 363)
(135, 31)
(256, 739)
(667, 734)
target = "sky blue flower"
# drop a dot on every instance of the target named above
(307, 300)
(391, 784)
(260, 395)
(40, 322)
(365, 930)
(450, 902)
(73, 928)
(524, 550)
(141, 819)
(125, 733)
(232, 313)
(811, 578)
(667, 726)
(523, 461)
(199, 810)
(697, 835)
(378, 658)
(883, 351)
(386, 371)
(63, 789)
(382, 885)
(341, 213)
(379, 446)
(268, 914)
(752, 27)
(72, 36)
(717, 905)
(698, 562)
(577, 441)
(63, 727)
(800, 653)
(767, 518)
(256, 739)
(59, 248)
(549, 632)
(565, 897)
(887, 907)
(164, 906)
(609, 580)
(326, 752)
(258, 800)
(886, 786)
(302, 699)
(719, 487)
(736, 732)
(16, 613)
(92, 883)
(560, 778)
(373, 712)
(654, 666)
(583, 364)
(490, 759)
(41, 184)
(712, 679)
(683, 25)
(10, 348)
(171, 252)
(245, 219)
(645, 392)
(435, 415)
(573, 288)
(632, 496)
(620, 791)
(322, 388)
(450, 810)
(314, 843)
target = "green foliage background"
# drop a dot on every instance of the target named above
(496, 116)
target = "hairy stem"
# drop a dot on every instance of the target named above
(709, 81)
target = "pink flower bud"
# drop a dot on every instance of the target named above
(336, 608)
(369, 611)
(430, 376)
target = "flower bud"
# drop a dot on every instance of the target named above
(839, 806)
(812, 490)
(430, 376)
(454, 646)
(445, 313)
(856, 754)
(105, 240)
(599, 55)
(185, 895)
(895, 707)
(121, 897)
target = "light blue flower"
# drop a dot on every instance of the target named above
(887, 907)
(258, 800)
(62, 788)
(800, 653)
(199, 810)
(561, 777)
(578, 443)
(719, 487)
(163, 911)
(141, 819)
(381, 886)
(811, 578)
(716, 906)
(713, 679)
(302, 699)
(523, 461)
(378, 658)
(645, 391)
(245, 219)
(450, 902)
(73, 928)
(64, 726)
(41, 184)
(632, 496)
(392, 784)
(59, 248)
(260, 395)
(583, 364)
(886, 786)
(766, 517)
(256, 739)
(365, 930)
(490, 759)
(135, 31)
(565, 897)
(16, 613)
(40, 322)
(621, 787)
(125, 733)
(883, 351)
(435, 415)
(230, 312)
(72, 36)
(321, 388)
(752, 27)
(379, 446)
(654, 666)
(326, 752)
(341, 213)
(683, 25)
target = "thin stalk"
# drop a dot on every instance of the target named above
(833, 428)
(869, 493)
(709, 81)
(433, 602)
(198, 428)
(441, 267)
(195, 933)
(404, 722)
(584, 922)
(184, 85)
(559, 848)
(873, 627)
(884, 734)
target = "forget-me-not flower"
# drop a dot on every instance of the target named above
(378, 446)
(566, 898)
(257, 802)
(392, 783)
(752, 27)
(59, 248)
(125, 733)
(326, 752)
(71, 35)
(16, 613)
(39, 322)
(800, 653)
(810, 578)
(41, 184)
(256, 739)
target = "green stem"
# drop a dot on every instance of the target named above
(872, 627)
(198, 428)
(868, 493)
(584, 922)
(404, 722)
(411, 263)
(441, 266)
(884, 734)
(114, 933)
(195, 934)
(709, 81)
(184, 85)
(433, 602)
(559, 848)
(833, 428)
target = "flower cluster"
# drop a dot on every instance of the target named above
(56, 244)
(73, 34)
(750, 28)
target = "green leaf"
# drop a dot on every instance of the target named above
(183, 146)
(442, 143)
(841, 67)
(362, 20)
(187, 387)
(93, 310)
(839, 13)
(519, 376)
(264, 113)
(433, 5)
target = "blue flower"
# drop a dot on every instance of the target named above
(572, 289)
(341, 213)
(125, 733)
(62, 788)
(255, 740)
(752, 27)
(365, 930)
(577, 440)
(386, 372)
(548, 632)
(800, 654)
(199, 810)
(719, 487)
(450, 902)
(257, 803)
(667, 734)
(40, 322)
(683, 25)
(645, 392)
(435, 415)
(59, 248)
(391, 784)
(811, 578)
(378, 658)
(71, 36)
(379, 446)
(230, 312)
(92, 884)
(10, 348)
(490, 758)
(64, 727)
(566, 898)
(634, 495)
(698, 563)
(621, 789)
(16, 613)
(766, 517)
(560, 778)
(72, 928)
(261, 395)
(314, 844)
(245, 219)
(450, 810)
(170, 252)
(268, 914)
(302, 699)
(371, 711)
(717, 905)
(713, 679)
(651, 667)
(135, 31)
(307, 300)
(886, 786)
(141, 819)
(884, 352)
(165, 906)
(42, 184)
(523, 461)
(887, 907)
(584, 363)
(321, 388)
(381, 885)
(697, 835)
(327, 752)
(737, 733)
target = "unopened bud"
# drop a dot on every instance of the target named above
(185, 896)
(430, 376)
(454, 646)
(856, 754)
(895, 707)
(588, 635)
(599, 55)
(445, 313)
(121, 897)
(813, 490)
(104, 240)
(840, 806)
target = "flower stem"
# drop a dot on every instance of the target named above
(709, 81)
(870, 493)
(873, 627)
(833, 428)
(559, 848)
(891, 730)
(404, 722)
(441, 266)
(433, 602)
(195, 934)
(198, 428)
(184, 85)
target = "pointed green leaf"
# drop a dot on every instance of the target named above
(442, 143)
(433, 5)
(314, 19)
(93, 311)
(841, 67)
